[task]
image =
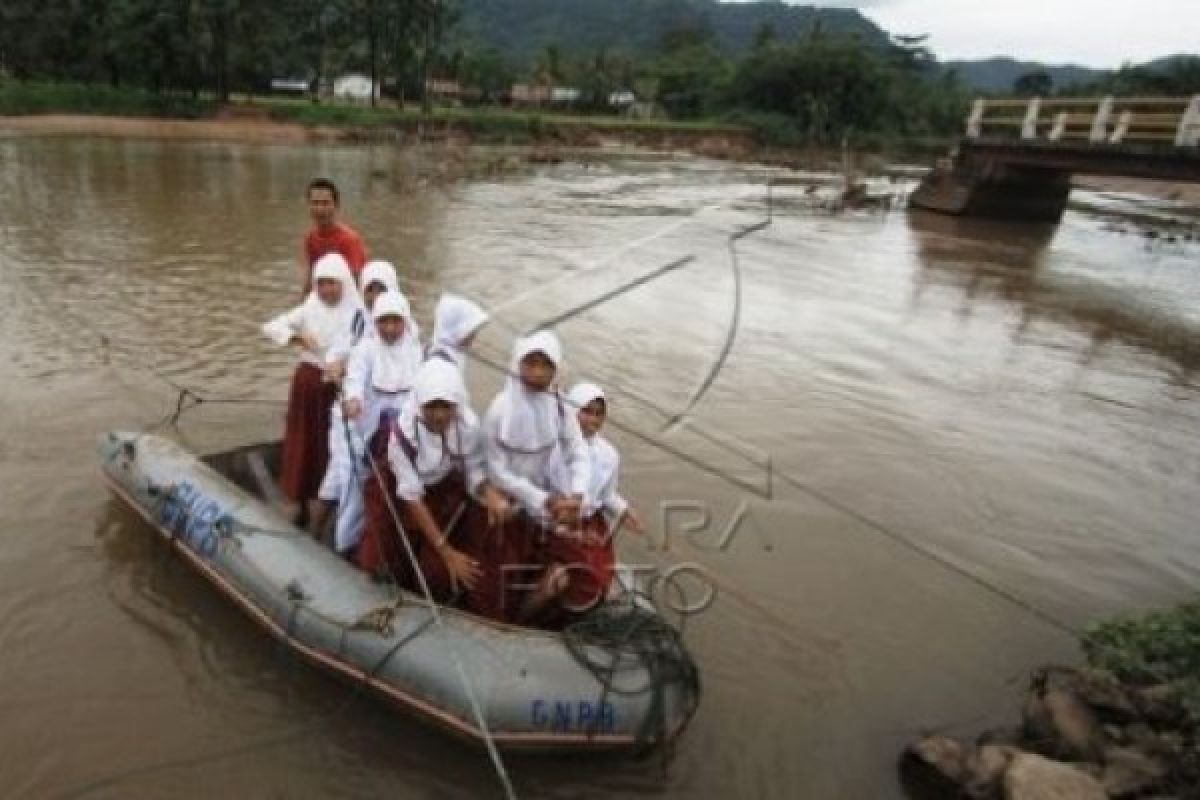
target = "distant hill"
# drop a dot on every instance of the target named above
(521, 29)
(998, 74)
(1166, 62)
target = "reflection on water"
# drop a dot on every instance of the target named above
(992, 259)
(903, 393)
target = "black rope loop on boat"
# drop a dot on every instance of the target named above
(622, 637)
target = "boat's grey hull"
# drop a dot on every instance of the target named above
(534, 693)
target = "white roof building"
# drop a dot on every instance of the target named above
(353, 86)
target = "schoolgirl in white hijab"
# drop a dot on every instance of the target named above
(529, 426)
(317, 325)
(382, 367)
(378, 272)
(377, 277)
(379, 379)
(456, 321)
(324, 324)
(602, 495)
(435, 455)
(580, 566)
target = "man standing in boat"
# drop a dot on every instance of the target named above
(328, 235)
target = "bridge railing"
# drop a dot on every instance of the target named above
(1151, 121)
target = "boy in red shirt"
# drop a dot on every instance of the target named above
(327, 234)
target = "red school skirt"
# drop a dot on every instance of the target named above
(382, 552)
(510, 561)
(588, 555)
(306, 433)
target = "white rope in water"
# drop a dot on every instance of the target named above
(590, 266)
(472, 697)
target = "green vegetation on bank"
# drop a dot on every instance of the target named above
(1159, 649)
(479, 119)
(44, 97)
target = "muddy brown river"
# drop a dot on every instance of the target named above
(933, 448)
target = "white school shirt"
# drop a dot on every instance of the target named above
(332, 341)
(358, 385)
(602, 490)
(531, 477)
(433, 462)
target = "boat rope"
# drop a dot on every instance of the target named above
(675, 419)
(435, 614)
(621, 638)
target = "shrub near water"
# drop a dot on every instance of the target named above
(31, 97)
(1159, 649)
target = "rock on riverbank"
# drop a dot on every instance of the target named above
(1083, 736)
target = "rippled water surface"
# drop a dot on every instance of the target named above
(912, 409)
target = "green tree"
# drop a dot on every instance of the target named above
(691, 73)
(827, 86)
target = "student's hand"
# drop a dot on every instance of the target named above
(352, 408)
(565, 509)
(335, 371)
(309, 342)
(464, 570)
(633, 522)
(499, 510)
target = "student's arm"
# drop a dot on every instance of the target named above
(473, 455)
(575, 453)
(358, 375)
(499, 509)
(609, 499)
(530, 497)
(463, 569)
(408, 483)
(613, 503)
(285, 329)
(338, 353)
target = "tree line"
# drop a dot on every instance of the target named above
(821, 87)
(219, 45)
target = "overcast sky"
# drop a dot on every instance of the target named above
(1101, 33)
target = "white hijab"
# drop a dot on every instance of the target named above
(603, 459)
(332, 325)
(455, 318)
(384, 272)
(394, 366)
(436, 380)
(380, 272)
(530, 421)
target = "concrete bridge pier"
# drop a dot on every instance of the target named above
(998, 191)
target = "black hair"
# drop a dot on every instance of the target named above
(324, 183)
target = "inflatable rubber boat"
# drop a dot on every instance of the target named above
(620, 679)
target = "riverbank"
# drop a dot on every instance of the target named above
(259, 131)
(67, 108)
(54, 109)
(1125, 726)
(1187, 194)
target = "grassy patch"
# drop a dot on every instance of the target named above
(1158, 649)
(484, 121)
(37, 97)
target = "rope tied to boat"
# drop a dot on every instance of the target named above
(621, 638)
(435, 618)
(379, 619)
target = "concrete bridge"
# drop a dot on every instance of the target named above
(1018, 155)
